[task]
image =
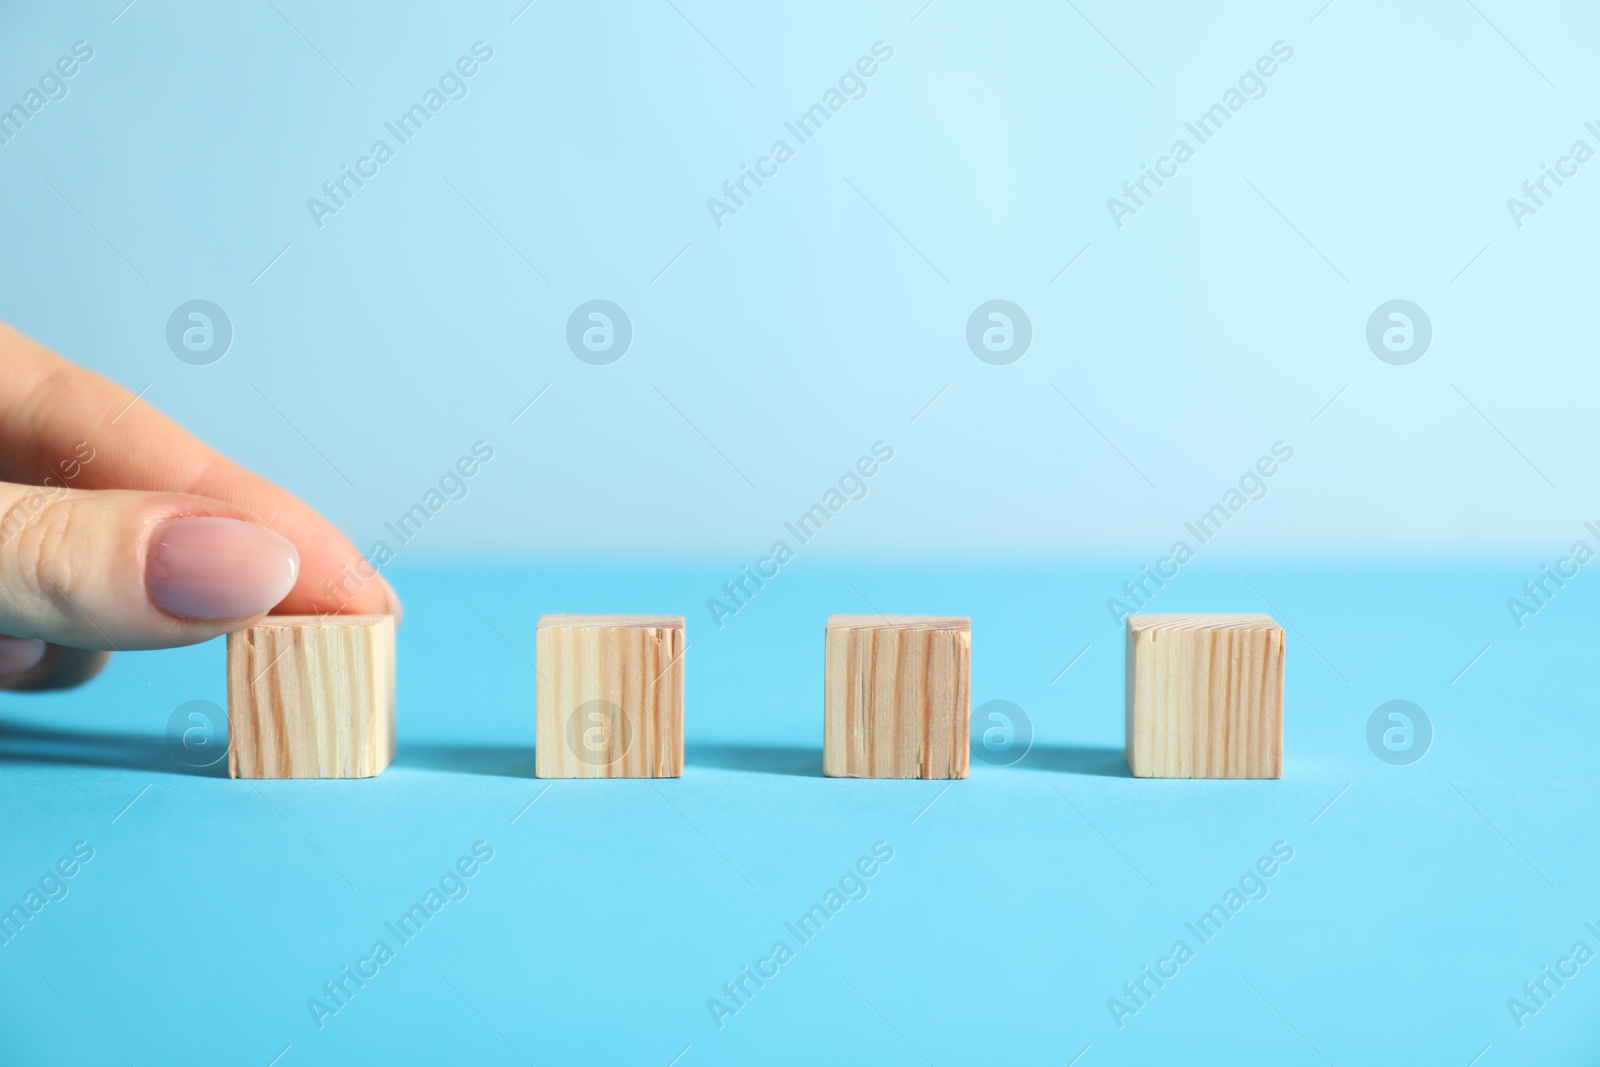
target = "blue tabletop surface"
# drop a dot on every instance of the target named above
(1406, 906)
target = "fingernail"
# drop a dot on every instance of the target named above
(212, 568)
(18, 654)
(395, 607)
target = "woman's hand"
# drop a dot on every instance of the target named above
(119, 530)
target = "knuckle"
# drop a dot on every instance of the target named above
(35, 530)
(45, 393)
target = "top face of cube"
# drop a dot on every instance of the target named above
(898, 622)
(1142, 623)
(300, 622)
(611, 622)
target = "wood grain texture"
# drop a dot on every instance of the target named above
(609, 696)
(311, 696)
(1205, 696)
(896, 696)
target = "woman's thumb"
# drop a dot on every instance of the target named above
(117, 569)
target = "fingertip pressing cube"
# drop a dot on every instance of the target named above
(609, 700)
(897, 695)
(311, 696)
(1205, 696)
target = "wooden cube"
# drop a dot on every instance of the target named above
(896, 697)
(311, 696)
(1205, 696)
(609, 700)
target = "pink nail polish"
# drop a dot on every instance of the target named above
(18, 654)
(213, 568)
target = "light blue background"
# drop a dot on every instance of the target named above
(1228, 314)
(1204, 330)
